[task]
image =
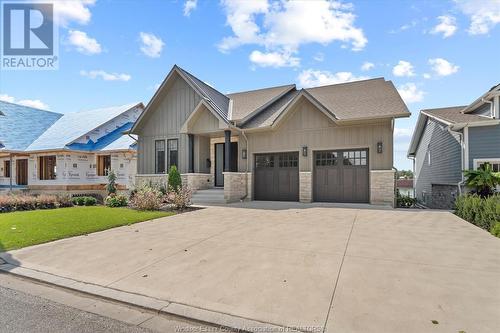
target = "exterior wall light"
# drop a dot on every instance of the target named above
(244, 154)
(379, 147)
(304, 151)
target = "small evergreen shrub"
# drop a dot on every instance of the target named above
(174, 179)
(78, 201)
(116, 201)
(111, 186)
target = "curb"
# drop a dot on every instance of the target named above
(213, 318)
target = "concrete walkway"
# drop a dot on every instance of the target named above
(309, 266)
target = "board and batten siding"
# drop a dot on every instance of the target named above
(445, 158)
(164, 122)
(305, 125)
(484, 142)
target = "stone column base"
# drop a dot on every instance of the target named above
(237, 186)
(152, 179)
(382, 187)
(198, 181)
(305, 186)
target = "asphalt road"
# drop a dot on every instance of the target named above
(20, 312)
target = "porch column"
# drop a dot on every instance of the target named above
(191, 153)
(227, 150)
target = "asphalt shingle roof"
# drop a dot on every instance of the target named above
(454, 115)
(246, 102)
(361, 99)
(21, 125)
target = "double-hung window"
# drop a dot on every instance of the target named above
(159, 156)
(172, 149)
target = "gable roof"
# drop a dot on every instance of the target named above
(366, 99)
(493, 91)
(372, 98)
(73, 125)
(21, 125)
(246, 103)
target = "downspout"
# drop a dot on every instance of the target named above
(395, 202)
(462, 153)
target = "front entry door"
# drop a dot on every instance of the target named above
(22, 172)
(219, 161)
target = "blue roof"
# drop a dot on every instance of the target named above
(74, 125)
(113, 139)
(21, 125)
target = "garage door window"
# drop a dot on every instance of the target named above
(264, 161)
(355, 157)
(326, 158)
(288, 160)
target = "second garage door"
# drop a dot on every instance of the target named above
(341, 176)
(277, 176)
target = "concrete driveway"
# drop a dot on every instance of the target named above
(311, 266)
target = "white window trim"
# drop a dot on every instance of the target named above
(478, 161)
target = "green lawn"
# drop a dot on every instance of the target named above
(20, 229)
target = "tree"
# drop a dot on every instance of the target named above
(174, 179)
(111, 186)
(406, 174)
(484, 180)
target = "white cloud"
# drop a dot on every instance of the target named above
(273, 59)
(484, 15)
(410, 93)
(367, 66)
(105, 75)
(83, 43)
(403, 68)
(313, 78)
(319, 57)
(67, 11)
(443, 67)
(426, 76)
(447, 26)
(286, 25)
(189, 6)
(34, 103)
(151, 44)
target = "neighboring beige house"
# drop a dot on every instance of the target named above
(332, 143)
(48, 152)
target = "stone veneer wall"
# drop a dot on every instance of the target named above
(235, 187)
(443, 196)
(382, 187)
(305, 186)
(198, 181)
(160, 179)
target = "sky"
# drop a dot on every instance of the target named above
(114, 52)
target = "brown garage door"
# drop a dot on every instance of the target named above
(277, 176)
(341, 176)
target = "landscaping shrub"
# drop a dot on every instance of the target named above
(174, 179)
(180, 199)
(78, 201)
(495, 231)
(483, 212)
(111, 186)
(404, 201)
(116, 201)
(64, 201)
(11, 203)
(90, 201)
(147, 198)
(483, 180)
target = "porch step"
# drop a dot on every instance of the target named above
(210, 196)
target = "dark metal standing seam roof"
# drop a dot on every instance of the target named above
(21, 125)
